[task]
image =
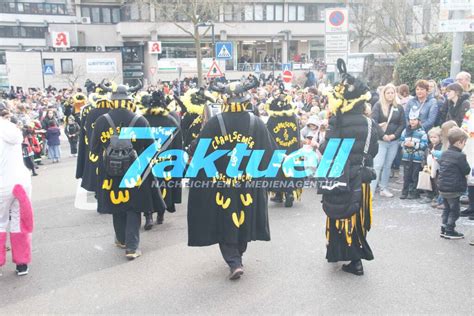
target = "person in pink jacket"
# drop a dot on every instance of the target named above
(15, 186)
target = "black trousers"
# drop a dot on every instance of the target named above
(232, 253)
(470, 192)
(127, 228)
(410, 176)
(73, 145)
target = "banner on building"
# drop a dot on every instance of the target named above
(101, 65)
(60, 39)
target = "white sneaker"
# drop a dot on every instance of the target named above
(386, 193)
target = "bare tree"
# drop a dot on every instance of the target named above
(393, 22)
(363, 21)
(189, 16)
(73, 78)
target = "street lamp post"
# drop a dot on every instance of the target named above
(210, 24)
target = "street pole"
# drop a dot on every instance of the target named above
(458, 43)
(42, 68)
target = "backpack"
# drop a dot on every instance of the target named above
(119, 154)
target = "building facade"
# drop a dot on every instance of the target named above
(268, 32)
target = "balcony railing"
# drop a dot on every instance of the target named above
(33, 8)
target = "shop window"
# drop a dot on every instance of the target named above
(66, 66)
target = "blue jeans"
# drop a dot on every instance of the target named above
(54, 152)
(383, 163)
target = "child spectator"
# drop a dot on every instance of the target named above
(433, 153)
(414, 142)
(452, 183)
(52, 135)
(72, 130)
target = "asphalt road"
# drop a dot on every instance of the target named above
(77, 269)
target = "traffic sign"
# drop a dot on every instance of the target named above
(456, 25)
(453, 5)
(337, 20)
(48, 69)
(331, 57)
(154, 47)
(152, 70)
(257, 68)
(224, 50)
(214, 71)
(336, 42)
(285, 67)
(287, 76)
(60, 39)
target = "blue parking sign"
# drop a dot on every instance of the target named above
(48, 69)
(224, 50)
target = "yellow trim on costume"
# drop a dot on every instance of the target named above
(222, 201)
(163, 193)
(107, 184)
(289, 112)
(238, 221)
(337, 101)
(246, 199)
(122, 197)
(93, 157)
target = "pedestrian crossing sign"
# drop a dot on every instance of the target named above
(285, 67)
(48, 69)
(214, 71)
(224, 50)
(257, 68)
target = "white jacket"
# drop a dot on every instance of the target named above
(12, 168)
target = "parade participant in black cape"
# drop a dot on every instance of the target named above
(83, 162)
(125, 204)
(349, 209)
(193, 103)
(235, 215)
(102, 105)
(158, 114)
(283, 125)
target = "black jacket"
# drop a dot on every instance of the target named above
(397, 121)
(352, 124)
(453, 169)
(450, 111)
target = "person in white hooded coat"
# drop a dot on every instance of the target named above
(16, 214)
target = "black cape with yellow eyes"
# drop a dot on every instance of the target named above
(236, 213)
(140, 196)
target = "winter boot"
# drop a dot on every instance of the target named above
(289, 199)
(148, 221)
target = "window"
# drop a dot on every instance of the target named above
(270, 12)
(95, 15)
(106, 17)
(237, 13)
(258, 12)
(115, 15)
(22, 31)
(102, 14)
(278, 12)
(301, 12)
(249, 13)
(292, 13)
(3, 58)
(228, 12)
(49, 62)
(66, 66)
(32, 8)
